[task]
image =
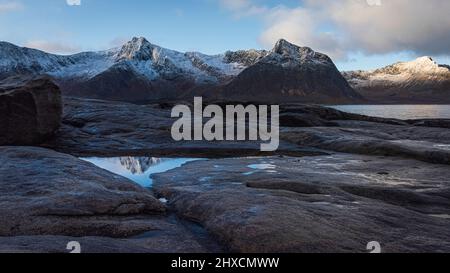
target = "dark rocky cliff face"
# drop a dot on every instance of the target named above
(30, 112)
(291, 73)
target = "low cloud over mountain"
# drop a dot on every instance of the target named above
(343, 26)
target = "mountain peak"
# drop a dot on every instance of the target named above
(296, 55)
(424, 61)
(139, 41)
(282, 42)
(137, 48)
(424, 64)
(284, 47)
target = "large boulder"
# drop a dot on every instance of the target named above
(30, 111)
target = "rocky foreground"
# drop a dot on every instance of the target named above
(47, 199)
(335, 203)
(338, 181)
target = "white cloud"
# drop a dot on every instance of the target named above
(342, 26)
(53, 47)
(73, 2)
(299, 26)
(395, 25)
(10, 6)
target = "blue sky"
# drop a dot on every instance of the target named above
(214, 26)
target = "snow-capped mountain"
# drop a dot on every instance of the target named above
(142, 71)
(291, 73)
(418, 81)
(146, 59)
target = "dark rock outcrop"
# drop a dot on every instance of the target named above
(30, 112)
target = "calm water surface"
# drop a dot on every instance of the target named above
(398, 111)
(139, 169)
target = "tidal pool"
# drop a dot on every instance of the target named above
(138, 169)
(268, 168)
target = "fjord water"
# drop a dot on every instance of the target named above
(138, 169)
(398, 111)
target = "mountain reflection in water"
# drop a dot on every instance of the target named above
(138, 169)
(139, 165)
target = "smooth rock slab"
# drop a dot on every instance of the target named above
(333, 203)
(43, 192)
(170, 237)
(362, 137)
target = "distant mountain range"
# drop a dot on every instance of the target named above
(418, 81)
(140, 71)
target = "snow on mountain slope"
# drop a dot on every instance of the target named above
(418, 81)
(149, 60)
(20, 60)
(168, 63)
(84, 65)
(13, 57)
(290, 55)
(403, 74)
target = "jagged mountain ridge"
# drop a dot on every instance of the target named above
(419, 81)
(149, 60)
(288, 73)
(142, 71)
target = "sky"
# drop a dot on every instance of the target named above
(356, 34)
